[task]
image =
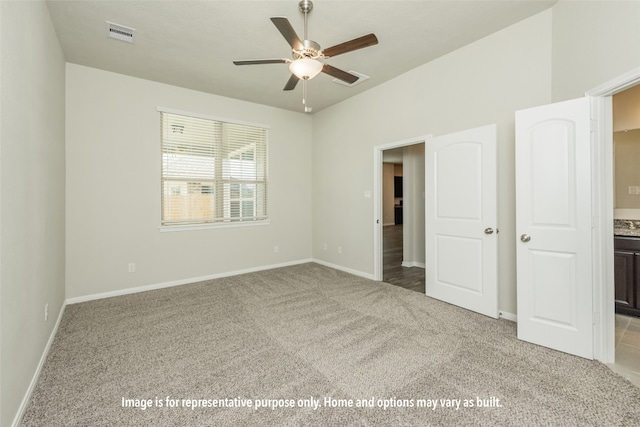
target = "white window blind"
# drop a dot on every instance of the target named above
(212, 171)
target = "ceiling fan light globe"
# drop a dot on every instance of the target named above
(305, 68)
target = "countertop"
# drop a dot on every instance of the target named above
(626, 227)
(626, 232)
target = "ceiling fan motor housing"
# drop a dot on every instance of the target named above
(310, 49)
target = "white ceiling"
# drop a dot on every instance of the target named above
(192, 43)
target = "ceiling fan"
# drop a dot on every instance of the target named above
(306, 53)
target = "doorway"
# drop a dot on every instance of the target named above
(603, 211)
(401, 239)
(459, 199)
(403, 244)
(626, 214)
(461, 219)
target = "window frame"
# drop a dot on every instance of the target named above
(221, 224)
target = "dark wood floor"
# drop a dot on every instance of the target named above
(393, 271)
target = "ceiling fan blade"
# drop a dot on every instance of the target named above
(284, 26)
(339, 74)
(351, 45)
(261, 61)
(291, 84)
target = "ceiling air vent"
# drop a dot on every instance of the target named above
(120, 32)
(361, 78)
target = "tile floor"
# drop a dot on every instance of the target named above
(627, 348)
(393, 271)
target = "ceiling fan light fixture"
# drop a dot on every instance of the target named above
(305, 68)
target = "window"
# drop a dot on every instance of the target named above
(212, 171)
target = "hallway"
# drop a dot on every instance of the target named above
(412, 278)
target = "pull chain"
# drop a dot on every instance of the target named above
(304, 92)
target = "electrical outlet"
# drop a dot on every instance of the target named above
(324, 246)
(46, 312)
(276, 249)
(132, 267)
(339, 249)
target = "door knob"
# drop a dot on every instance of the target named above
(488, 230)
(525, 238)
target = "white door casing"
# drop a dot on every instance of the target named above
(553, 226)
(461, 219)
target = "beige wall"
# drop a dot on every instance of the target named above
(626, 143)
(113, 188)
(627, 168)
(31, 194)
(626, 109)
(482, 83)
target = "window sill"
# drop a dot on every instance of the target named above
(191, 227)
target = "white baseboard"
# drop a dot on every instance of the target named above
(345, 269)
(508, 316)
(27, 397)
(187, 281)
(413, 264)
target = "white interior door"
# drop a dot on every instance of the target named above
(461, 219)
(553, 226)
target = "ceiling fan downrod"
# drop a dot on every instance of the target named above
(305, 6)
(310, 48)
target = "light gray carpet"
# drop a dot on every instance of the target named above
(303, 331)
